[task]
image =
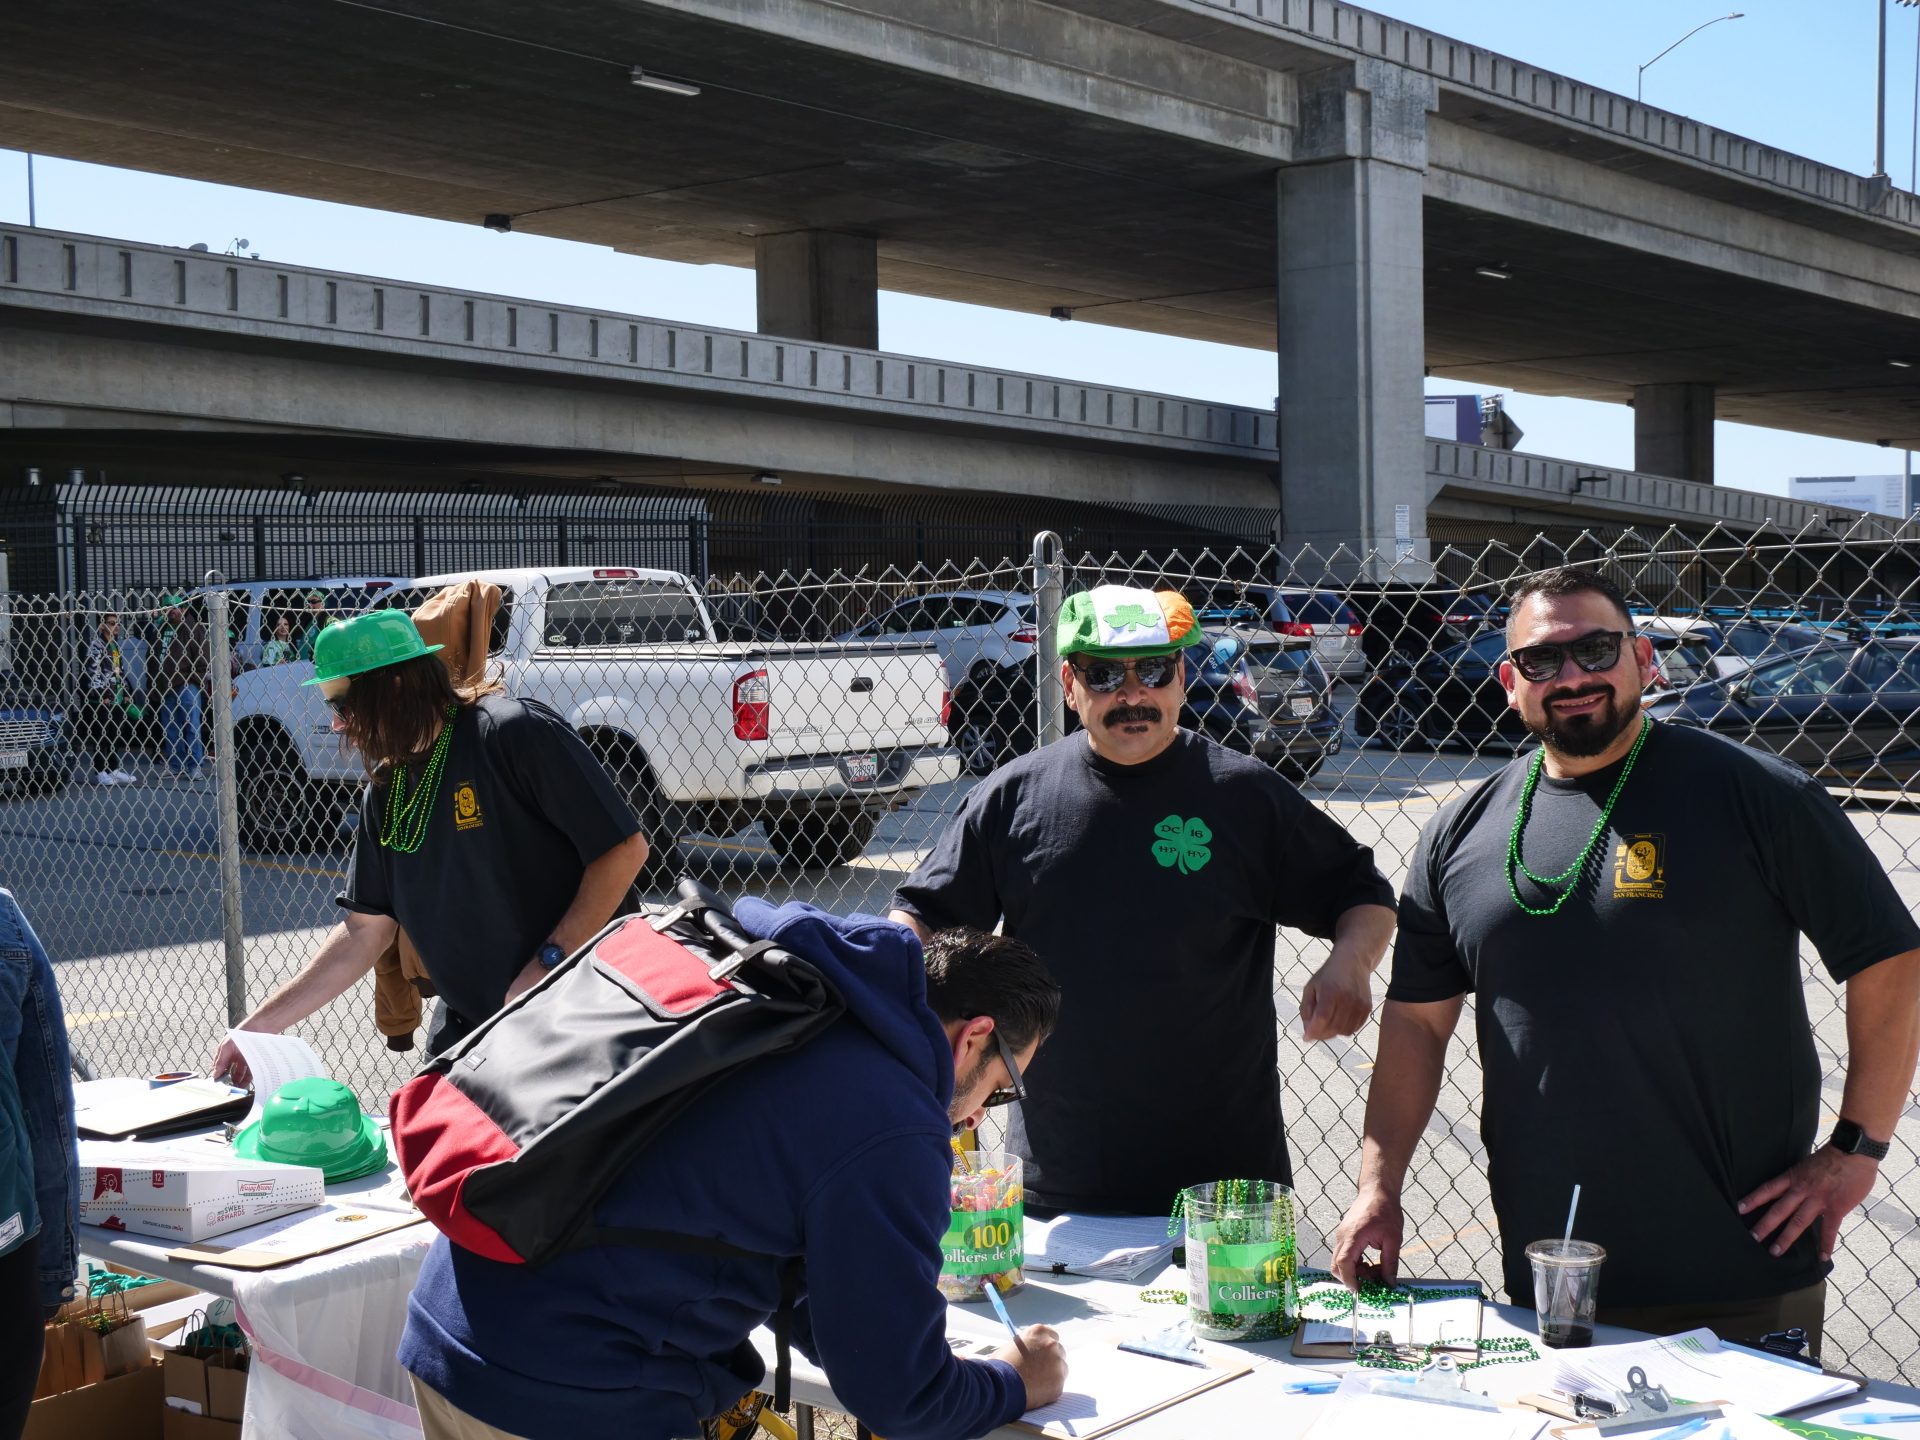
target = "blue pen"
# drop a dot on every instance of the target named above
(1311, 1387)
(1000, 1308)
(1879, 1417)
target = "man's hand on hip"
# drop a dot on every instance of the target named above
(1372, 1222)
(1826, 1186)
(1339, 998)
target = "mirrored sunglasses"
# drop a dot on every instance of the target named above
(1592, 653)
(1103, 677)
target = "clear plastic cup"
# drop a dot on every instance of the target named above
(1566, 1290)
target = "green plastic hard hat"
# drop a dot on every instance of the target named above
(317, 1122)
(366, 642)
(1126, 622)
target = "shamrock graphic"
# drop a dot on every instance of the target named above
(1183, 843)
(1131, 617)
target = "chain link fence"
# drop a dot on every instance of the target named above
(804, 735)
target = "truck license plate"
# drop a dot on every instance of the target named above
(862, 769)
(1301, 706)
(13, 759)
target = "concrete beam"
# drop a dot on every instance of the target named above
(1673, 431)
(815, 285)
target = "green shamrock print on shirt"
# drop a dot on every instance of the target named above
(1131, 617)
(1183, 843)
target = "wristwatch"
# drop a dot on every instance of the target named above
(1849, 1139)
(551, 955)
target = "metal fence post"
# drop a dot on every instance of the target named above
(1047, 587)
(226, 789)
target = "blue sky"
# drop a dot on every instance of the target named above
(1792, 74)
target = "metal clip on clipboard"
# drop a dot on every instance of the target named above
(1645, 1406)
(1439, 1382)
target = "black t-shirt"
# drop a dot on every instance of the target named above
(1152, 892)
(523, 808)
(1650, 1041)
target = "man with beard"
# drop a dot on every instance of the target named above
(1626, 905)
(1150, 867)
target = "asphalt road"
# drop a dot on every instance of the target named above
(122, 885)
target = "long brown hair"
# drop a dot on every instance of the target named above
(392, 714)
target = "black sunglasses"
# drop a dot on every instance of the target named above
(1017, 1090)
(338, 703)
(1592, 653)
(1103, 677)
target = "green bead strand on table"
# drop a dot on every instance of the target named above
(1570, 877)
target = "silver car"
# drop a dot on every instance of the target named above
(977, 632)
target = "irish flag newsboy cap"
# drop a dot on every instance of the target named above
(1125, 622)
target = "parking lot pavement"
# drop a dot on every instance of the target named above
(122, 885)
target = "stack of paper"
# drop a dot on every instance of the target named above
(1364, 1409)
(1112, 1247)
(1697, 1367)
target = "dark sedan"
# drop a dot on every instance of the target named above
(1255, 691)
(1452, 696)
(34, 752)
(1841, 712)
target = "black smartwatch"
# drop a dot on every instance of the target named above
(1849, 1139)
(551, 955)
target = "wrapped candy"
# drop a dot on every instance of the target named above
(985, 1241)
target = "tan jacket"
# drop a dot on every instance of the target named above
(459, 617)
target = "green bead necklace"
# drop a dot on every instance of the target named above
(1570, 877)
(405, 823)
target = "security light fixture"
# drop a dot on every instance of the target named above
(501, 223)
(663, 84)
(1493, 272)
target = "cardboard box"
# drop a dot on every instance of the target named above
(195, 1385)
(177, 1193)
(178, 1425)
(126, 1407)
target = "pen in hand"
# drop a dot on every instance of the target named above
(1000, 1309)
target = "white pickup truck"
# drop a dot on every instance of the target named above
(814, 741)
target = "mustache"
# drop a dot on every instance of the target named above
(1131, 715)
(1579, 694)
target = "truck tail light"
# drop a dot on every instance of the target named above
(1023, 637)
(751, 712)
(946, 693)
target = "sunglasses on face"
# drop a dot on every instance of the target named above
(1103, 677)
(338, 703)
(1592, 653)
(1017, 1090)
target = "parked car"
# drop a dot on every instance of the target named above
(993, 718)
(975, 631)
(1416, 620)
(1706, 647)
(1321, 616)
(36, 757)
(814, 741)
(1841, 712)
(1264, 694)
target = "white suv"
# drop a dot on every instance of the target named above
(977, 632)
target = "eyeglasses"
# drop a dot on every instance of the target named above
(338, 703)
(1103, 677)
(1017, 1090)
(1592, 653)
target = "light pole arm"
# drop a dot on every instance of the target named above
(1637, 87)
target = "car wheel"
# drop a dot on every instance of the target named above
(276, 800)
(980, 744)
(1399, 729)
(812, 839)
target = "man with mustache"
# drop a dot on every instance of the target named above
(1150, 867)
(1626, 906)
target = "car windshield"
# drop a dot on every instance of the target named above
(1321, 608)
(1820, 673)
(621, 612)
(1276, 666)
(1750, 642)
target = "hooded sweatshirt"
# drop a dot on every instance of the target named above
(837, 1152)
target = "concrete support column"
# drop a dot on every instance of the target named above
(1352, 324)
(1673, 430)
(818, 285)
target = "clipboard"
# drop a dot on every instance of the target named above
(332, 1226)
(1403, 1334)
(122, 1109)
(1120, 1386)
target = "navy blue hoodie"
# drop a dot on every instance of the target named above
(837, 1152)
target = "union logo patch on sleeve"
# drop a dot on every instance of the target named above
(466, 807)
(1640, 868)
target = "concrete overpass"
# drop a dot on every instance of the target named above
(1297, 173)
(208, 365)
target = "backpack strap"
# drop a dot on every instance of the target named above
(792, 1272)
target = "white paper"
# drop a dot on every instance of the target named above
(274, 1060)
(294, 1235)
(1352, 1415)
(1116, 1247)
(1106, 1386)
(123, 1106)
(1697, 1366)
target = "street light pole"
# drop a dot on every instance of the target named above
(1880, 107)
(1639, 84)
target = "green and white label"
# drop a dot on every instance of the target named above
(1248, 1279)
(983, 1242)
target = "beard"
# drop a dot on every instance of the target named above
(964, 1085)
(1580, 737)
(1130, 715)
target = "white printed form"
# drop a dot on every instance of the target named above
(274, 1060)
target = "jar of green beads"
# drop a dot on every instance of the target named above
(1241, 1260)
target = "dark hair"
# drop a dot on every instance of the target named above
(392, 714)
(1567, 580)
(971, 973)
